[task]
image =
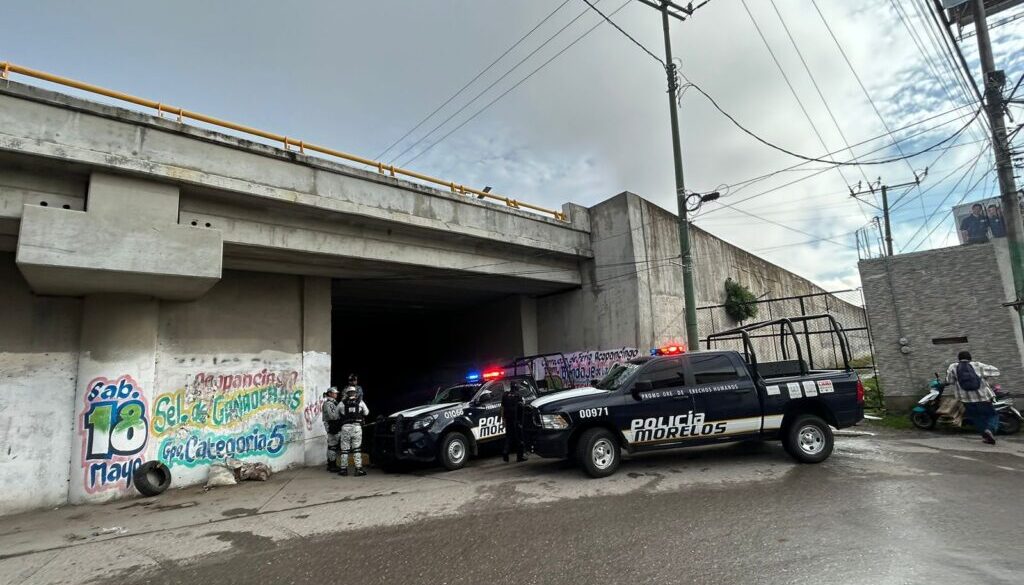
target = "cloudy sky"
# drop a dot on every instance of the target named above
(593, 121)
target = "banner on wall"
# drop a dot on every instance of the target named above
(575, 369)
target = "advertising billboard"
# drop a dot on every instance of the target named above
(980, 221)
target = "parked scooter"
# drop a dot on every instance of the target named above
(926, 416)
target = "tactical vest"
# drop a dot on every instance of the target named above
(350, 412)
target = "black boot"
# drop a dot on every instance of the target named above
(520, 458)
(360, 472)
(332, 467)
(343, 471)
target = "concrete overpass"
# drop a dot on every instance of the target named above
(173, 293)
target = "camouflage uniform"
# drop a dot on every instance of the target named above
(352, 411)
(332, 421)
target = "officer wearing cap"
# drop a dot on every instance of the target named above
(353, 412)
(353, 380)
(332, 424)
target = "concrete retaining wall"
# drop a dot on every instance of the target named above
(91, 388)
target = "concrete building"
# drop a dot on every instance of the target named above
(925, 307)
(172, 293)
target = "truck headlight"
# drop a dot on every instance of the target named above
(553, 421)
(424, 423)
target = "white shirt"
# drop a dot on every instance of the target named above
(983, 393)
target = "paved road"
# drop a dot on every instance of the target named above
(880, 511)
(891, 508)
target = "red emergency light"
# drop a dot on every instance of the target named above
(671, 350)
(493, 374)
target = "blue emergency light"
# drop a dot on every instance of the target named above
(472, 376)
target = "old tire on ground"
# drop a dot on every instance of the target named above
(808, 439)
(454, 451)
(1009, 424)
(152, 478)
(598, 452)
(923, 420)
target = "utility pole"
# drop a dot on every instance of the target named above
(680, 13)
(994, 80)
(884, 188)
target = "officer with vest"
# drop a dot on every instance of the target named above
(332, 424)
(353, 411)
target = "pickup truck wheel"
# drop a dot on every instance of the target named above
(809, 439)
(454, 451)
(598, 452)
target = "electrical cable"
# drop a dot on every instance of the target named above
(507, 91)
(471, 81)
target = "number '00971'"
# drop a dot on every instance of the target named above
(593, 412)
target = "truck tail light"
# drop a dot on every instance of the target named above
(860, 392)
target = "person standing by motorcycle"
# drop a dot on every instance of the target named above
(968, 380)
(332, 424)
(353, 411)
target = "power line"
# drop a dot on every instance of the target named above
(486, 89)
(509, 90)
(628, 36)
(789, 84)
(471, 81)
(974, 167)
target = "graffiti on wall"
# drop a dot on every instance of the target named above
(114, 430)
(227, 415)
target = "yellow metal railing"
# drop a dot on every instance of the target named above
(6, 68)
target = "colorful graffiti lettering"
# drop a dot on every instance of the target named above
(114, 431)
(231, 401)
(205, 448)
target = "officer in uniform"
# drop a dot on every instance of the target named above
(353, 411)
(512, 415)
(332, 424)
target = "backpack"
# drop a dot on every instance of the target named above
(966, 377)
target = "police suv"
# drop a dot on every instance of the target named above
(462, 420)
(677, 399)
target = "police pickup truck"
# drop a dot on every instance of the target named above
(678, 399)
(462, 420)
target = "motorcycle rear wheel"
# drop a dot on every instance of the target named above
(923, 420)
(1009, 424)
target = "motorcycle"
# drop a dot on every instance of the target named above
(926, 414)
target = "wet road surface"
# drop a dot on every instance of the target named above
(894, 508)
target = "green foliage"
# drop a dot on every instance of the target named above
(739, 301)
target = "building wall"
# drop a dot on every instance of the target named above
(632, 292)
(39, 339)
(91, 388)
(919, 297)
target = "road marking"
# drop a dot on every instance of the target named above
(964, 457)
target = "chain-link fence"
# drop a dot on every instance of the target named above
(818, 342)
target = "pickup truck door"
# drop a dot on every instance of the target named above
(486, 416)
(723, 391)
(646, 418)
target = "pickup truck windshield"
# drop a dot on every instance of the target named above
(615, 377)
(458, 393)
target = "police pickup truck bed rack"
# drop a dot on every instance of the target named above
(678, 399)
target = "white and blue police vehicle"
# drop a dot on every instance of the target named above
(462, 420)
(675, 398)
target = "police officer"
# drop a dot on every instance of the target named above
(353, 380)
(353, 411)
(332, 424)
(512, 414)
